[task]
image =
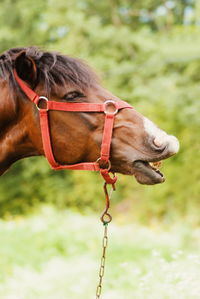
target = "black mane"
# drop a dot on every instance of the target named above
(53, 69)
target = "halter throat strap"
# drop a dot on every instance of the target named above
(110, 108)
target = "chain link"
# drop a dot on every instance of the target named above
(106, 219)
(103, 259)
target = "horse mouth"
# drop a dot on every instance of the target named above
(148, 173)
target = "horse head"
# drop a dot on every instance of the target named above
(76, 137)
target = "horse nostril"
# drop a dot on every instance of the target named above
(158, 142)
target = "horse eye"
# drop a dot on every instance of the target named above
(73, 95)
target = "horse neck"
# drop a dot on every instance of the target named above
(20, 138)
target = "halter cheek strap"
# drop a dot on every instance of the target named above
(110, 108)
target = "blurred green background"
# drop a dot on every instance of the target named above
(148, 53)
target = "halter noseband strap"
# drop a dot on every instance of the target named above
(110, 108)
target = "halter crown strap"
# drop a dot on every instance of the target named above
(109, 107)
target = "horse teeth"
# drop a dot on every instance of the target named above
(155, 165)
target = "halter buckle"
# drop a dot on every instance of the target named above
(110, 107)
(42, 98)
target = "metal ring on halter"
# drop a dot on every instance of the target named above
(107, 163)
(113, 103)
(46, 100)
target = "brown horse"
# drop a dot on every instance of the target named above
(76, 137)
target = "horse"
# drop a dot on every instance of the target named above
(137, 144)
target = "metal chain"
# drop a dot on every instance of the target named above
(103, 259)
(106, 219)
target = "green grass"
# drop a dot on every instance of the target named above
(56, 255)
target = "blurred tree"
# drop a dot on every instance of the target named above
(20, 23)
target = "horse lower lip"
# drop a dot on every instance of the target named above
(146, 174)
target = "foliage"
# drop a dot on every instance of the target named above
(39, 255)
(155, 65)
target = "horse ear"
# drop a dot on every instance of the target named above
(26, 68)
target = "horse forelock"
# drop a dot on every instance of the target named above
(53, 69)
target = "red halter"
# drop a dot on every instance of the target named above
(77, 107)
